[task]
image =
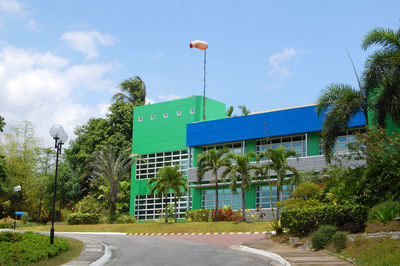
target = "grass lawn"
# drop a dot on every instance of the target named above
(374, 251)
(74, 251)
(156, 227)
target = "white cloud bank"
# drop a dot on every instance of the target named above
(87, 42)
(276, 62)
(42, 87)
(11, 6)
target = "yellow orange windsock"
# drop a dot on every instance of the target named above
(202, 45)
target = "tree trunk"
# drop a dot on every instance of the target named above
(277, 200)
(166, 208)
(112, 209)
(39, 210)
(176, 210)
(243, 205)
(216, 198)
(59, 211)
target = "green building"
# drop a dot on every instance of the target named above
(173, 132)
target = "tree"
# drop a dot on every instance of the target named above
(160, 187)
(2, 123)
(133, 92)
(240, 170)
(212, 160)
(382, 73)
(114, 168)
(229, 111)
(278, 163)
(244, 109)
(339, 103)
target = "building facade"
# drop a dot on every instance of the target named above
(163, 137)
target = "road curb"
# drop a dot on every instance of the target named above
(193, 234)
(267, 254)
(105, 258)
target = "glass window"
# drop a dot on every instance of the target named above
(236, 147)
(178, 113)
(165, 115)
(263, 195)
(342, 143)
(295, 143)
(140, 118)
(153, 117)
(225, 198)
(192, 110)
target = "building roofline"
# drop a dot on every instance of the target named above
(284, 108)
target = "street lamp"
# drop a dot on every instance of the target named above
(202, 45)
(16, 190)
(60, 137)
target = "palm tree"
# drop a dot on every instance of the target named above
(212, 160)
(229, 111)
(244, 109)
(240, 170)
(133, 92)
(339, 103)
(105, 163)
(278, 163)
(382, 73)
(169, 178)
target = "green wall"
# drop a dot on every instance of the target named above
(313, 143)
(166, 134)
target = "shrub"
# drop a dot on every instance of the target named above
(277, 226)
(26, 248)
(306, 190)
(227, 214)
(298, 203)
(321, 238)
(126, 219)
(375, 227)
(385, 211)
(304, 221)
(83, 218)
(200, 215)
(339, 240)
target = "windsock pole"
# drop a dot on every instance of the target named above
(202, 45)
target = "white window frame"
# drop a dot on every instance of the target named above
(179, 113)
(153, 117)
(150, 207)
(140, 118)
(275, 142)
(165, 115)
(192, 110)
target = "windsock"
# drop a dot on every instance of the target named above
(202, 45)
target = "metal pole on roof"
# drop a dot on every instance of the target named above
(202, 45)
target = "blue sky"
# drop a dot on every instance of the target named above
(61, 61)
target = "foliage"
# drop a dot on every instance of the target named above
(83, 218)
(168, 178)
(125, 219)
(226, 214)
(385, 211)
(278, 163)
(2, 123)
(382, 73)
(306, 190)
(133, 92)
(87, 205)
(339, 241)
(346, 217)
(321, 238)
(373, 251)
(277, 226)
(212, 160)
(28, 248)
(240, 171)
(298, 203)
(338, 103)
(375, 227)
(244, 110)
(229, 111)
(199, 215)
(114, 168)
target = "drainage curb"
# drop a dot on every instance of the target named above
(267, 254)
(192, 234)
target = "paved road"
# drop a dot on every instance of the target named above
(152, 250)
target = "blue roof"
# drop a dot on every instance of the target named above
(269, 124)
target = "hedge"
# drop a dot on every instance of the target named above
(304, 221)
(26, 248)
(83, 218)
(199, 215)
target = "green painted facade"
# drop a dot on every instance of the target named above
(153, 133)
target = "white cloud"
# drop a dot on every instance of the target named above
(159, 55)
(168, 97)
(276, 62)
(32, 24)
(42, 88)
(87, 42)
(11, 6)
(149, 101)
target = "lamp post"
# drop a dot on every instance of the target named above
(60, 137)
(16, 190)
(202, 45)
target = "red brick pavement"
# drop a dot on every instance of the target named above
(219, 240)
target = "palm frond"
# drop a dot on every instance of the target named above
(387, 38)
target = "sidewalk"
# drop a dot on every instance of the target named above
(296, 256)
